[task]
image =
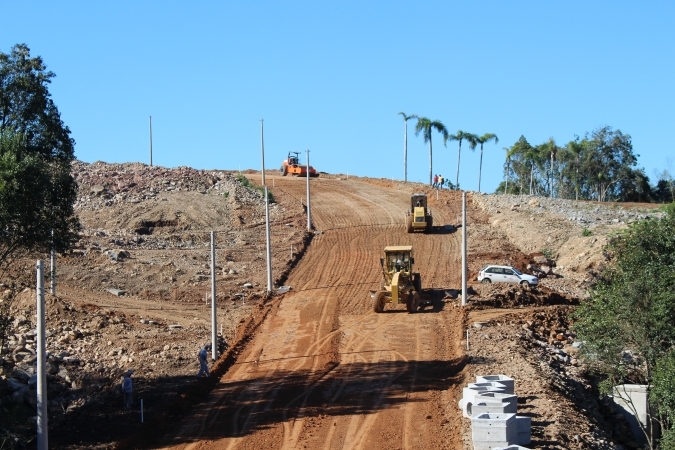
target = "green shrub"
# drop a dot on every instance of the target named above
(586, 232)
(247, 183)
(547, 253)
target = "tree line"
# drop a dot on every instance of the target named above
(600, 166)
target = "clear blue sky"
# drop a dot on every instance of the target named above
(332, 76)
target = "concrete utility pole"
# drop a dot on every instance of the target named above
(150, 141)
(52, 268)
(309, 210)
(405, 150)
(262, 150)
(214, 309)
(52, 272)
(267, 237)
(464, 248)
(42, 434)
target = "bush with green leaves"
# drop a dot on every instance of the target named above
(247, 183)
(586, 232)
(627, 324)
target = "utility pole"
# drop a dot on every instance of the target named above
(214, 310)
(262, 150)
(52, 272)
(150, 141)
(405, 150)
(42, 433)
(464, 262)
(52, 268)
(309, 210)
(267, 236)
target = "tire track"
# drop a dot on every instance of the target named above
(284, 374)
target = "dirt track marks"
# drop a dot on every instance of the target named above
(326, 372)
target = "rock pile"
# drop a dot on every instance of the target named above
(88, 351)
(583, 213)
(102, 184)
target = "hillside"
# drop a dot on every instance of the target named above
(314, 367)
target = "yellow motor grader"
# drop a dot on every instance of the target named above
(399, 283)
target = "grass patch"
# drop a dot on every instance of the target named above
(247, 183)
(586, 232)
(547, 253)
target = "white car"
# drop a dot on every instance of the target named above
(506, 274)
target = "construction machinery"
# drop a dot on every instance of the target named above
(292, 165)
(399, 283)
(418, 218)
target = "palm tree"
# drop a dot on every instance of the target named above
(460, 136)
(487, 137)
(405, 145)
(426, 125)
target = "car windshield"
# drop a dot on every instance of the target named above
(516, 271)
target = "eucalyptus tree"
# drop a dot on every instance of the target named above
(487, 137)
(405, 144)
(459, 137)
(574, 151)
(426, 126)
(608, 160)
(508, 163)
(546, 149)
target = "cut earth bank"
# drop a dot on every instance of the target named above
(316, 365)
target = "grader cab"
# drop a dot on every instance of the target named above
(418, 218)
(400, 284)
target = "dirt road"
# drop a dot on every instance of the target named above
(325, 371)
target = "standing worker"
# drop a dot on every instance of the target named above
(203, 366)
(435, 181)
(440, 181)
(127, 388)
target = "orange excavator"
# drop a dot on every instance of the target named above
(292, 165)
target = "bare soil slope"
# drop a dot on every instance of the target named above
(324, 371)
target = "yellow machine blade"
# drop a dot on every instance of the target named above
(394, 288)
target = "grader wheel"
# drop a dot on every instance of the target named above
(378, 303)
(413, 302)
(409, 221)
(417, 281)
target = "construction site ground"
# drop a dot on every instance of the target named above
(315, 367)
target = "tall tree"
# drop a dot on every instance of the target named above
(508, 166)
(405, 144)
(37, 192)
(487, 137)
(575, 149)
(549, 148)
(471, 138)
(609, 160)
(425, 126)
